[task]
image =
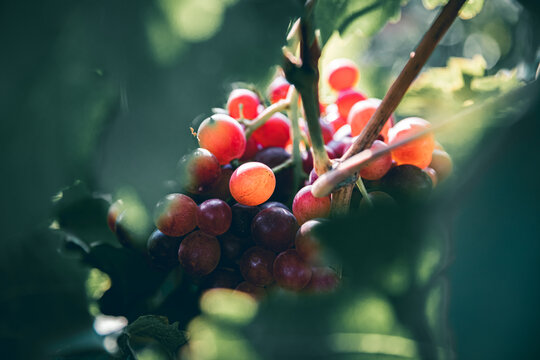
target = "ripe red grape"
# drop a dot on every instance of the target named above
(360, 114)
(252, 147)
(176, 215)
(307, 244)
(375, 169)
(342, 74)
(307, 207)
(163, 250)
(243, 103)
(276, 131)
(252, 183)
(417, 152)
(256, 266)
(199, 253)
(222, 136)
(278, 89)
(199, 170)
(290, 271)
(274, 228)
(346, 99)
(214, 216)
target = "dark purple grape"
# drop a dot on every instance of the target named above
(256, 266)
(270, 204)
(214, 217)
(222, 278)
(163, 250)
(290, 271)
(256, 291)
(199, 253)
(407, 183)
(274, 228)
(272, 157)
(242, 216)
(198, 170)
(232, 248)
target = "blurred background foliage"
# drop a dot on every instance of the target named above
(97, 99)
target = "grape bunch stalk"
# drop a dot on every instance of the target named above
(241, 220)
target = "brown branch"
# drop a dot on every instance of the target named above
(341, 198)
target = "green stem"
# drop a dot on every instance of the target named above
(297, 135)
(282, 166)
(363, 191)
(267, 113)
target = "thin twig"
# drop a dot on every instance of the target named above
(341, 199)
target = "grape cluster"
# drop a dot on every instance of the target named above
(229, 224)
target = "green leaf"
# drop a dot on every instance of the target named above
(153, 327)
(366, 17)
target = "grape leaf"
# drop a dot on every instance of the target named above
(366, 17)
(153, 327)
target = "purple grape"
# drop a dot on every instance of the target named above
(199, 253)
(214, 216)
(256, 266)
(274, 228)
(290, 271)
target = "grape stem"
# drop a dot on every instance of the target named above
(297, 136)
(278, 106)
(303, 73)
(341, 198)
(282, 166)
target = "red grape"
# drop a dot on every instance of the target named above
(360, 114)
(274, 228)
(276, 131)
(342, 74)
(199, 170)
(278, 89)
(252, 147)
(375, 169)
(252, 183)
(176, 215)
(307, 207)
(256, 266)
(247, 100)
(346, 99)
(232, 247)
(417, 152)
(199, 253)
(290, 271)
(214, 216)
(222, 136)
